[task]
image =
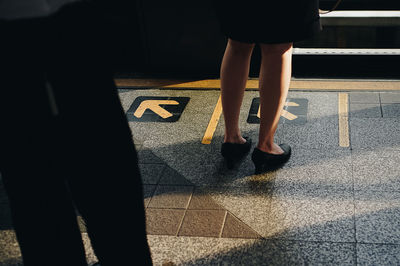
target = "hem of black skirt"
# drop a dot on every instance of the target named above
(313, 29)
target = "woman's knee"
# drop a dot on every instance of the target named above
(277, 49)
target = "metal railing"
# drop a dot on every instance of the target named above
(358, 18)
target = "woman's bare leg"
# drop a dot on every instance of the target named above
(234, 74)
(275, 76)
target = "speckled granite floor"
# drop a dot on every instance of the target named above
(329, 205)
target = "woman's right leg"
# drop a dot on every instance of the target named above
(275, 75)
(234, 74)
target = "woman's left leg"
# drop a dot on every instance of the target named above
(234, 74)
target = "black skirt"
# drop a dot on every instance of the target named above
(268, 21)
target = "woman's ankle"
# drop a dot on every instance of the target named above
(271, 148)
(234, 139)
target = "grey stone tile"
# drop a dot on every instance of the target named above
(199, 174)
(378, 254)
(234, 228)
(223, 251)
(147, 156)
(243, 176)
(127, 98)
(369, 133)
(366, 110)
(391, 110)
(251, 206)
(390, 97)
(320, 105)
(301, 253)
(202, 201)
(172, 177)
(364, 97)
(315, 168)
(377, 217)
(327, 253)
(196, 250)
(321, 133)
(377, 169)
(172, 197)
(151, 173)
(158, 134)
(163, 221)
(188, 154)
(201, 101)
(203, 223)
(312, 215)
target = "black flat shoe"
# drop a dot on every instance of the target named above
(233, 152)
(264, 161)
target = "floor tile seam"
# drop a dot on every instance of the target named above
(188, 209)
(223, 224)
(349, 115)
(375, 149)
(147, 163)
(166, 208)
(372, 117)
(306, 241)
(222, 208)
(376, 190)
(382, 117)
(284, 240)
(157, 185)
(184, 214)
(307, 188)
(227, 188)
(380, 105)
(150, 196)
(354, 201)
(261, 239)
(281, 188)
(211, 237)
(316, 146)
(290, 185)
(378, 243)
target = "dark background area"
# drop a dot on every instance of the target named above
(182, 39)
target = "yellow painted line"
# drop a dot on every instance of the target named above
(212, 125)
(296, 84)
(344, 138)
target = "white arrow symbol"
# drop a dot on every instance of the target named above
(154, 105)
(284, 113)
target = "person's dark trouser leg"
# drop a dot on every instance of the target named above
(104, 178)
(43, 215)
(105, 181)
